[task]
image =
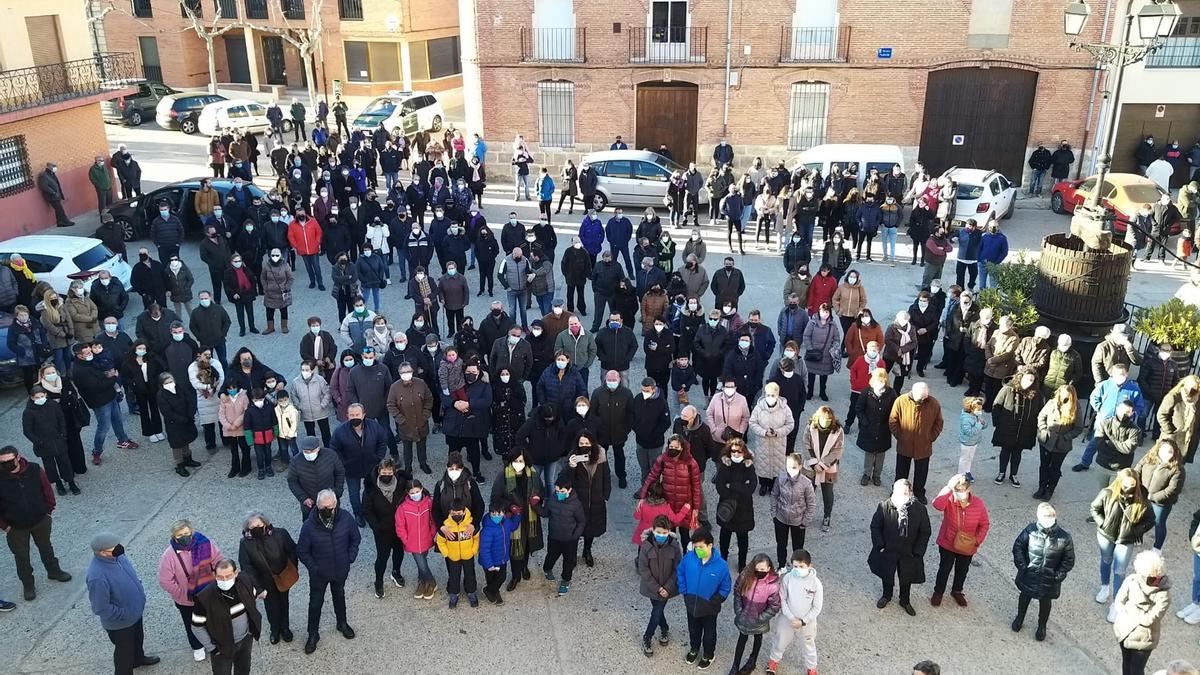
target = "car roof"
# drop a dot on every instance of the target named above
(403, 94)
(1122, 179)
(969, 175)
(234, 101)
(189, 94)
(609, 155)
(54, 244)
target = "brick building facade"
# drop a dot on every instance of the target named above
(370, 45)
(802, 72)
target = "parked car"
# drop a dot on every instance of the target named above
(408, 111)
(10, 372)
(182, 111)
(867, 156)
(982, 195)
(1123, 192)
(61, 259)
(135, 109)
(633, 177)
(134, 215)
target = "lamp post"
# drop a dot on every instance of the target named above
(1156, 20)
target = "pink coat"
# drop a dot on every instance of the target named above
(414, 524)
(173, 579)
(232, 414)
(645, 513)
(722, 412)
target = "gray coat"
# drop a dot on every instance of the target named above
(581, 349)
(277, 285)
(656, 565)
(793, 500)
(827, 338)
(312, 398)
(1052, 434)
(8, 287)
(455, 291)
(543, 278)
(512, 273)
(369, 386)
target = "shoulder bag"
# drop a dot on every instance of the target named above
(964, 543)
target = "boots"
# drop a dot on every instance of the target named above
(270, 327)
(285, 326)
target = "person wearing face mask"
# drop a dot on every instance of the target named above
(328, 545)
(116, 596)
(1000, 354)
(964, 527)
(1043, 554)
(975, 343)
(821, 349)
(268, 559)
(1142, 603)
(260, 424)
(756, 601)
(924, 316)
(708, 350)
(567, 522)
(226, 620)
(1059, 423)
(1176, 416)
(186, 567)
(276, 279)
(1105, 400)
(140, 377)
(900, 532)
(771, 422)
(936, 249)
(467, 418)
(383, 495)
(98, 390)
(508, 411)
(591, 482)
(1122, 516)
(311, 395)
(81, 312)
(361, 442)
(1064, 366)
(26, 509)
(558, 383)
(410, 403)
(958, 339)
(1014, 415)
(166, 231)
(1156, 377)
(371, 270)
(232, 416)
(735, 480)
(313, 470)
(177, 406)
(916, 422)
(849, 300)
(111, 299)
(241, 290)
(993, 248)
(658, 560)
(1160, 470)
(44, 424)
(149, 279)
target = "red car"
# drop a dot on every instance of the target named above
(1123, 192)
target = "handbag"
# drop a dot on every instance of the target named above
(964, 543)
(813, 355)
(726, 510)
(287, 577)
(681, 397)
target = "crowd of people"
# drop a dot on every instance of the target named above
(544, 409)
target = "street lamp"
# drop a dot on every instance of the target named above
(1156, 20)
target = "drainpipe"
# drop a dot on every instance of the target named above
(728, 62)
(1091, 114)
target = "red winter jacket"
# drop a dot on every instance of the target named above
(973, 519)
(860, 373)
(306, 238)
(821, 291)
(680, 479)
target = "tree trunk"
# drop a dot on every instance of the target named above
(310, 77)
(212, 65)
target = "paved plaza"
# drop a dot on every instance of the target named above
(596, 628)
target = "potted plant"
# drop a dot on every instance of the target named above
(1013, 292)
(1173, 322)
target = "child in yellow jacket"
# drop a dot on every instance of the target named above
(287, 419)
(458, 542)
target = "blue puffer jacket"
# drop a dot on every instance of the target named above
(545, 188)
(993, 247)
(560, 393)
(591, 235)
(476, 422)
(495, 540)
(704, 586)
(328, 552)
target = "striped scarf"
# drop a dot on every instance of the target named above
(202, 573)
(529, 516)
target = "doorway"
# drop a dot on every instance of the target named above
(272, 46)
(666, 114)
(978, 118)
(45, 45)
(239, 61)
(151, 66)
(1173, 122)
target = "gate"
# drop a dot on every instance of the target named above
(666, 113)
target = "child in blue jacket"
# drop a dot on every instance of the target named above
(495, 541)
(704, 583)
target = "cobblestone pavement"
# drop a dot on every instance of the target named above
(596, 628)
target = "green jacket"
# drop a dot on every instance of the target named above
(298, 111)
(1064, 368)
(100, 176)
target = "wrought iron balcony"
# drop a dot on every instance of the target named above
(554, 45)
(24, 88)
(668, 44)
(807, 45)
(1176, 52)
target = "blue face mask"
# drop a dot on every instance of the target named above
(712, 323)
(496, 519)
(451, 272)
(562, 365)
(560, 496)
(612, 386)
(274, 219)
(661, 538)
(614, 324)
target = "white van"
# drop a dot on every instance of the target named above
(238, 114)
(866, 156)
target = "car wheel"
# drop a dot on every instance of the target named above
(1012, 206)
(437, 122)
(601, 201)
(188, 126)
(135, 118)
(286, 125)
(128, 232)
(1056, 203)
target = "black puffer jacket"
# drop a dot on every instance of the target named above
(874, 434)
(1112, 519)
(736, 482)
(615, 411)
(1014, 416)
(1042, 558)
(543, 442)
(567, 518)
(1156, 377)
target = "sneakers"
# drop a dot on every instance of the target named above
(453, 600)
(647, 648)
(772, 667)
(548, 574)
(379, 589)
(664, 637)
(1183, 613)
(198, 654)
(130, 445)
(1193, 618)
(1112, 612)
(6, 606)
(398, 579)
(430, 589)
(825, 524)
(1102, 595)
(691, 656)
(970, 477)
(563, 589)
(999, 480)
(1012, 480)
(705, 661)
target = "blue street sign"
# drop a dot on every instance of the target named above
(883, 53)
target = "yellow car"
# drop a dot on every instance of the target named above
(1123, 192)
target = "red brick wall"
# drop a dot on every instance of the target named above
(26, 211)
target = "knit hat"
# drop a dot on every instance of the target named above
(102, 541)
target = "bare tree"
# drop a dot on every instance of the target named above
(306, 40)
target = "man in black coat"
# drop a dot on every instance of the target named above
(361, 442)
(745, 365)
(110, 297)
(179, 354)
(210, 324)
(512, 234)
(727, 285)
(605, 276)
(612, 404)
(166, 231)
(651, 420)
(370, 382)
(52, 192)
(616, 347)
(588, 181)
(26, 505)
(1061, 161)
(898, 544)
(494, 326)
(149, 279)
(576, 268)
(227, 620)
(154, 326)
(1039, 161)
(313, 470)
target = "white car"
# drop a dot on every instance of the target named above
(634, 177)
(982, 195)
(239, 114)
(406, 111)
(59, 259)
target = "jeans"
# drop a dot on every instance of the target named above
(316, 601)
(128, 650)
(658, 619)
(889, 242)
(1133, 661)
(983, 275)
(547, 471)
(312, 265)
(622, 250)
(354, 485)
(239, 663)
(545, 302)
(947, 560)
(520, 181)
(1196, 578)
(422, 561)
(1035, 181)
(1161, 513)
(390, 178)
(108, 415)
(373, 294)
(401, 258)
(516, 302)
(1089, 452)
(1114, 559)
(702, 630)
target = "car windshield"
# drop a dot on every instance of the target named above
(667, 164)
(381, 107)
(93, 257)
(966, 191)
(1142, 194)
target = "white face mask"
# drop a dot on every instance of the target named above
(793, 472)
(518, 466)
(899, 500)
(558, 311)
(771, 400)
(226, 584)
(962, 495)
(730, 391)
(789, 373)
(1165, 356)
(1046, 522)
(736, 459)
(454, 474)
(505, 378)
(311, 456)
(581, 409)
(169, 386)
(406, 377)
(1064, 348)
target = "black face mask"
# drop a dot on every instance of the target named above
(457, 519)
(184, 540)
(471, 377)
(258, 532)
(8, 465)
(356, 423)
(759, 574)
(118, 551)
(326, 513)
(673, 452)
(387, 480)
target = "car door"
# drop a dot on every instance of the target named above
(618, 177)
(1003, 195)
(256, 120)
(410, 118)
(172, 194)
(649, 184)
(234, 116)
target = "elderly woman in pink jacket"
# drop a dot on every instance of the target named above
(186, 567)
(728, 413)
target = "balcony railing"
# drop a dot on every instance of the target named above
(350, 9)
(554, 45)
(668, 44)
(25, 88)
(256, 9)
(292, 9)
(152, 73)
(227, 9)
(1176, 52)
(801, 45)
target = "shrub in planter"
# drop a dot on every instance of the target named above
(1016, 304)
(1018, 275)
(1173, 322)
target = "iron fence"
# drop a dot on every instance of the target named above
(668, 44)
(799, 45)
(554, 45)
(25, 88)
(152, 73)
(1141, 341)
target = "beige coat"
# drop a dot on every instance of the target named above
(83, 315)
(1001, 353)
(288, 420)
(849, 299)
(915, 426)
(823, 461)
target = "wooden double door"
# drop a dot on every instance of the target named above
(666, 114)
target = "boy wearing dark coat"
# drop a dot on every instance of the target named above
(567, 521)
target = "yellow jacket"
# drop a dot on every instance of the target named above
(460, 547)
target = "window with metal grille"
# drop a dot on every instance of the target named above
(292, 9)
(806, 119)
(256, 9)
(350, 9)
(194, 5)
(444, 59)
(15, 175)
(556, 112)
(142, 9)
(226, 9)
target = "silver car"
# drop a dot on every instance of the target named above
(634, 177)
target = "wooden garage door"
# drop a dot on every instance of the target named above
(978, 118)
(1179, 122)
(666, 113)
